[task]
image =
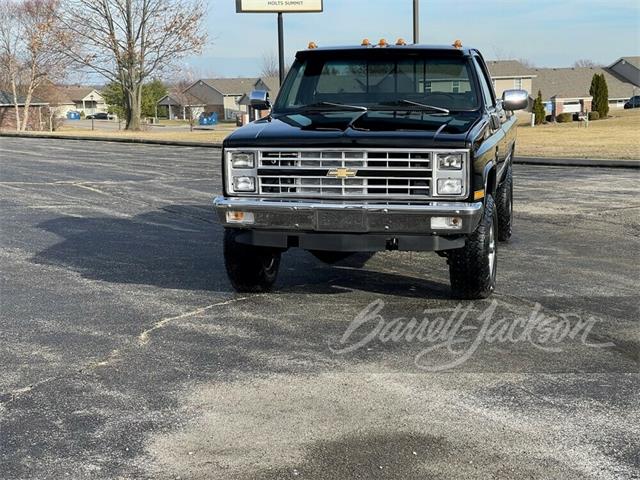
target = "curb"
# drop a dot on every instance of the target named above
(563, 162)
(115, 139)
(579, 162)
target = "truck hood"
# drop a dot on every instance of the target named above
(333, 129)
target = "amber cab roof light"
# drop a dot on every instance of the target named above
(457, 44)
(383, 43)
(365, 43)
(401, 42)
(312, 45)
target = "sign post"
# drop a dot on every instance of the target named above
(279, 7)
(280, 47)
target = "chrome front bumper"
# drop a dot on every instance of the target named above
(348, 217)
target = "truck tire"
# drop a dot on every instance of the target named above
(250, 268)
(504, 206)
(472, 268)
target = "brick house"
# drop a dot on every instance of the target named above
(38, 113)
(567, 89)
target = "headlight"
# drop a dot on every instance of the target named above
(244, 184)
(450, 161)
(449, 186)
(242, 159)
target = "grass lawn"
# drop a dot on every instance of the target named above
(182, 135)
(616, 137)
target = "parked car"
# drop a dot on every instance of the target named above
(73, 115)
(633, 102)
(100, 116)
(401, 147)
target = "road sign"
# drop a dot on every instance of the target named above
(278, 6)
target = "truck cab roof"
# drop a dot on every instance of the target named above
(436, 50)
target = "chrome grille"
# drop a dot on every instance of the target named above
(371, 173)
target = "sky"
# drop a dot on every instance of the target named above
(547, 33)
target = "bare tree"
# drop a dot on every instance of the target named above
(9, 47)
(269, 66)
(584, 62)
(29, 49)
(128, 41)
(182, 80)
(526, 62)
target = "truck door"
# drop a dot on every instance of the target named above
(495, 111)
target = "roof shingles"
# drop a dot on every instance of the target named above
(6, 99)
(231, 86)
(575, 82)
(508, 68)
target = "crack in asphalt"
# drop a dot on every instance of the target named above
(142, 339)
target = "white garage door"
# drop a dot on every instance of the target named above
(571, 107)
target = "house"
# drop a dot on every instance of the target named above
(38, 112)
(510, 74)
(567, 89)
(268, 84)
(65, 98)
(627, 68)
(220, 95)
(179, 105)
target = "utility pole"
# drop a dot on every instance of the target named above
(416, 21)
(280, 47)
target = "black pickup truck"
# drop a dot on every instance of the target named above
(370, 148)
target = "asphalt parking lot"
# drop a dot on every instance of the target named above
(125, 354)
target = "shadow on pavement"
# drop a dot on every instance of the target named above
(180, 247)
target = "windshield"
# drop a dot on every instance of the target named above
(405, 82)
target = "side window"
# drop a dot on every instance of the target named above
(486, 90)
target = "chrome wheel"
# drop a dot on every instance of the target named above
(492, 251)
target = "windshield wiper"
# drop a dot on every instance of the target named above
(421, 106)
(333, 106)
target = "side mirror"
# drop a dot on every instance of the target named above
(259, 99)
(515, 99)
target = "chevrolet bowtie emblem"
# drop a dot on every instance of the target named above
(341, 172)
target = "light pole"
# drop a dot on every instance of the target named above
(416, 22)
